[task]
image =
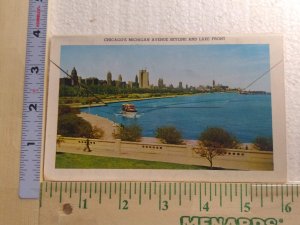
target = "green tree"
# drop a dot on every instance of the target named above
(129, 133)
(264, 143)
(169, 135)
(212, 142)
(71, 125)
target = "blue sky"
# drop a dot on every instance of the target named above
(236, 65)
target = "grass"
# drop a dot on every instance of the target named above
(77, 161)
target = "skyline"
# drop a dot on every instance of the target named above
(235, 65)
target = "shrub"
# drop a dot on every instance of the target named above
(129, 133)
(169, 135)
(264, 143)
(218, 138)
(212, 142)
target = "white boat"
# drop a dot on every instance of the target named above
(129, 110)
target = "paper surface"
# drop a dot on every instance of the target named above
(218, 72)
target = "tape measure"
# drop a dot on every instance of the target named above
(184, 203)
(32, 124)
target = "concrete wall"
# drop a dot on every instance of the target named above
(183, 154)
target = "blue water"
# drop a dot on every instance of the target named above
(245, 116)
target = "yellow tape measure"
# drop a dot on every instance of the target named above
(184, 203)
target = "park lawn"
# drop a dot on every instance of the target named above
(77, 161)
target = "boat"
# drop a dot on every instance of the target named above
(129, 110)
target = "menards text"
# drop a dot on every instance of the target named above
(197, 220)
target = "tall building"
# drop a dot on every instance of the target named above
(180, 85)
(109, 78)
(74, 77)
(143, 79)
(136, 79)
(120, 78)
(214, 83)
(160, 83)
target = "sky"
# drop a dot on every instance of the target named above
(235, 65)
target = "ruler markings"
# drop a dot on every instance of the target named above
(236, 189)
(100, 193)
(165, 189)
(195, 188)
(215, 189)
(125, 188)
(221, 194)
(179, 193)
(95, 187)
(150, 190)
(109, 190)
(170, 191)
(159, 197)
(145, 188)
(55, 186)
(261, 196)
(241, 197)
(115, 187)
(184, 188)
(135, 188)
(210, 195)
(120, 193)
(90, 190)
(200, 197)
(272, 194)
(70, 196)
(60, 192)
(231, 192)
(292, 187)
(190, 191)
(282, 201)
(130, 190)
(80, 189)
(140, 193)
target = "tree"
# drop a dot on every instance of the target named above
(71, 125)
(129, 133)
(212, 142)
(169, 135)
(264, 143)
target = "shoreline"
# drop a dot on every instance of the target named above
(104, 103)
(109, 127)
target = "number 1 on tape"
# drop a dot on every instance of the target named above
(32, 123)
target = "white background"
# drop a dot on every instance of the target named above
(90, 17)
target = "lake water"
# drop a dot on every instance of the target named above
(245, 116)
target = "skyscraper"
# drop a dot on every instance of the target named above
(180, 85)
(109, 78)
(160, 83)
(143, 79)
(74, 77)
(120, 78)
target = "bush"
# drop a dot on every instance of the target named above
(169, 135)
(218, 138)
(212, 142)
(97, 132)
(70, 125)
(65, 109)
(129, 133)
(264, 143)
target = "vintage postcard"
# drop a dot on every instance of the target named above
(166, 108)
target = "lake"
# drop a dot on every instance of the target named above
(245, 116)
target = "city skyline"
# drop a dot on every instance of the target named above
(234, 65)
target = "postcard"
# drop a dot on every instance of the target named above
(166, 108)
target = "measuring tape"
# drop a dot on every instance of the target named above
(184, 203)
(32, 124)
